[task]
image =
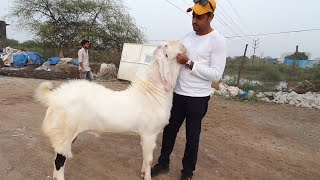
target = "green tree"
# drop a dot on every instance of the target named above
(9, 42)
(64, 23)
(300, 56)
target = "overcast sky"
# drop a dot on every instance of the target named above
(161, 20)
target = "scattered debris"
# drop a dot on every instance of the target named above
(305, 100)
(18, 58)
(307, 86)
(107, 71)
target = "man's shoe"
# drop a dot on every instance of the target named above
(159, 169)
(185, 177)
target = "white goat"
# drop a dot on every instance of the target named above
(143, 108)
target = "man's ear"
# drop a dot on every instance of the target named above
(211, 17)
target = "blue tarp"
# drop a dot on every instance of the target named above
(54, 60)
(20, 60)
(36, 58)
(76, 62)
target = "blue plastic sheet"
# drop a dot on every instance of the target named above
(36, 58)
(76, 62)
(54, 60)
(20, 60)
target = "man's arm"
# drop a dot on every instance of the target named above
(214, 71)
(82, 68)
(80, 60)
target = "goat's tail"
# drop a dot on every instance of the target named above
(43, 91)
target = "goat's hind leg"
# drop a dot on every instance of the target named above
(59, 165)
(148, 142)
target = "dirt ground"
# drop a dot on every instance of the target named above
(240, 140)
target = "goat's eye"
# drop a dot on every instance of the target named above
(166, 45)
(166, 56)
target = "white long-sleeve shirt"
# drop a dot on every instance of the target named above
(208, 52)
(83, 57)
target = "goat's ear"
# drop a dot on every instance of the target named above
(164, 69)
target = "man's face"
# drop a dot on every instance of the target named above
(86, 45)
(200, 23)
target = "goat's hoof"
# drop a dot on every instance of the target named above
(57, 175)
(54, 176)
(142, 175)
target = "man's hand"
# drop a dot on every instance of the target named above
(182, 58)
(83, 71)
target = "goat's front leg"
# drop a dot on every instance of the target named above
(143, 168)
(148, 142)
(59, 165)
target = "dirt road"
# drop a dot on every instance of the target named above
(240, 140)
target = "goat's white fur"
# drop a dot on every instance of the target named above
(143, 108)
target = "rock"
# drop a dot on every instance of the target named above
(306, 87)
(260, 95)
(265, 99)
(251, 93)
(233, 90)
(269, 94)
(292, 102)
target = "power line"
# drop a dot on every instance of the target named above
(220, 20)
(177, 7)
(225, 24)
(185, 2)
(274, 33)
(181, 9)
(229, 18)
(233, 8)
(238, 16)
(237, 28)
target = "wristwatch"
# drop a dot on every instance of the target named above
(189, 64)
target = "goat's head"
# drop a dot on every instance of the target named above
(165, 55)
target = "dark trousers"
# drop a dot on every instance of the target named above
(193, 109)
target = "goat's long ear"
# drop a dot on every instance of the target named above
(164, 69)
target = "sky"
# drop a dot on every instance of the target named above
(167, 20)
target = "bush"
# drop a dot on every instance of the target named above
(284, 68)
(313, 73)
(247, 85)
(271, 74)
(252, 86)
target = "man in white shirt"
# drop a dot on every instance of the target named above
(83, 56)
(204, 63)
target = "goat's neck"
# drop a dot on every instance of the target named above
(151, 86)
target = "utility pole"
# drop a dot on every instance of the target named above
(293, 69)
(255, 46)
(242, 64)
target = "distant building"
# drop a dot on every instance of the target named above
(3, 30)
(3, 33)
(282, 56)
(272, 60)
(317, 60)
(301, 63)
